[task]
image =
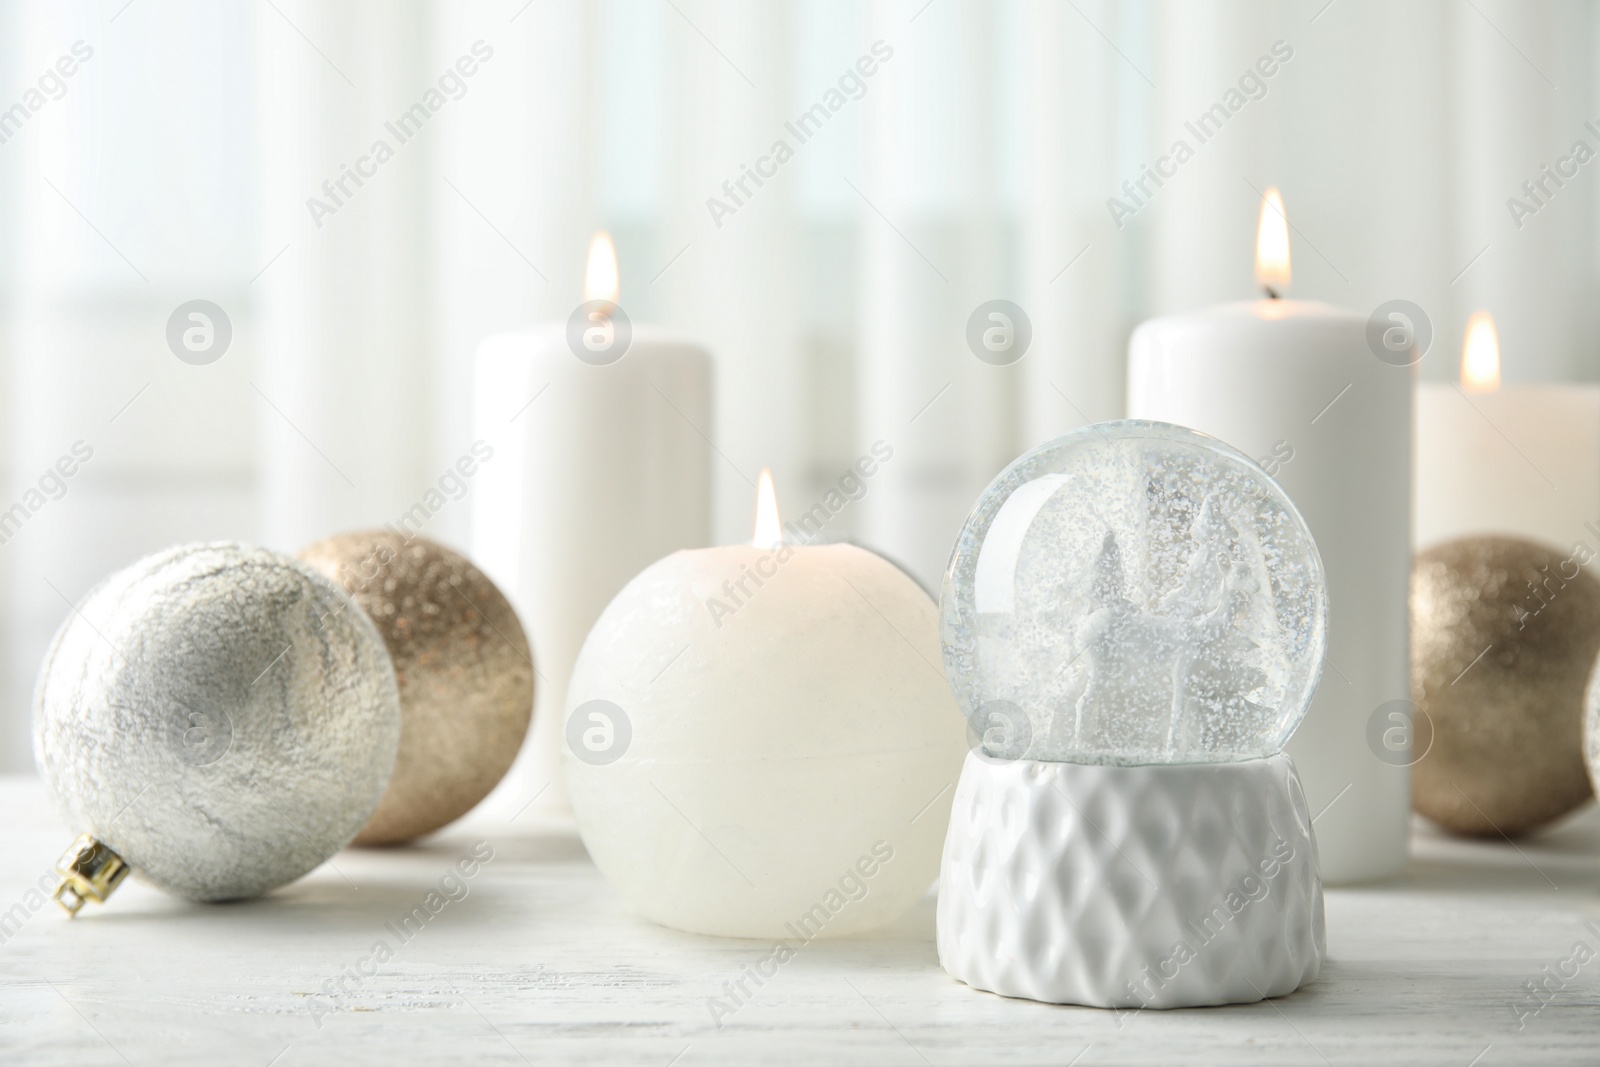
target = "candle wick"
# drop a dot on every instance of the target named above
(1272, 293)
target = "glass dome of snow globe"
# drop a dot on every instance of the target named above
(1134, 593)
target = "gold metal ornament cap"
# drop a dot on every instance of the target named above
(89, 870)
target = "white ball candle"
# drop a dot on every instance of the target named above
(1515, 460)
(761, 743)
(1294, 384)
(601, 466)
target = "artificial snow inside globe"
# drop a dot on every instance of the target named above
(1134, 621)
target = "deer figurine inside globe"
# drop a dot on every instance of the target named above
(1134, 622)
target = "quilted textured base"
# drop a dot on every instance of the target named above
(1128, 887)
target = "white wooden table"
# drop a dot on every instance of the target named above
(540, 963)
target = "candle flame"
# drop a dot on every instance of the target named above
(601, 279)
(1480, 355)
(1272, 244)
(769, 532)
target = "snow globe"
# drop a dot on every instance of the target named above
(1133, 621)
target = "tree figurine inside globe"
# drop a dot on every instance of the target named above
(1134, 622)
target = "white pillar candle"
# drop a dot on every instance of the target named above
(598, 471)
(761, 742)
(1516, 460)
(1294, 384)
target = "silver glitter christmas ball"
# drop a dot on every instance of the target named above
(221, 716)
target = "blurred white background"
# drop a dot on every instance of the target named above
(176, 162)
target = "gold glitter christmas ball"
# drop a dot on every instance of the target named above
(1503, 635)
(464, 668)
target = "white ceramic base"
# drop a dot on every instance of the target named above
(1129, 887)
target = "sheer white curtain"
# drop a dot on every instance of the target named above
(975, 162)
(343, 385)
